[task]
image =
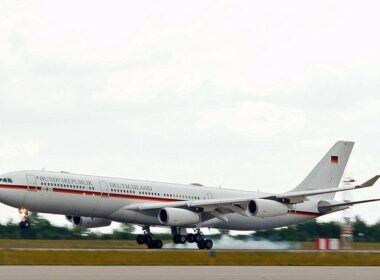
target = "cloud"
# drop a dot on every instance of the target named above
(252, 119)
(226, 93)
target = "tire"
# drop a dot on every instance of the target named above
(24, 224)
(158, 244)
(201, 245)
(27, 224)
(190, 238)
(140, 239)
(182, 239)
(198, 237)
(148, 239)
(208, 244)
(176, 238)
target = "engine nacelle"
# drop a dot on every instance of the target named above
(177, 217)
(266, 208)
(326, 206)
(88, 222)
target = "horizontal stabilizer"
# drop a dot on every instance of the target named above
(348, 203)
(299, 196)
(370, 182)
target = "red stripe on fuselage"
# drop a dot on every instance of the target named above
(16, 187)
(312, 214)
(90, 193)
(114, 195)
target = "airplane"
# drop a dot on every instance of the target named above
(95, 201)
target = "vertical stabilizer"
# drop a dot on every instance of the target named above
(329, 171)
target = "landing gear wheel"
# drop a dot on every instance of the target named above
(27, 224)
(150, 245)
(198, 237)
(176, 238)
(148, 239)
(208, 244)
(190, 238)
(201, 244)
(140, 239)
(158, 244)
(24, 224)
(182, 239)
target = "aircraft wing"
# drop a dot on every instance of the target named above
(215, 207)
(189, 204)
(221, 206)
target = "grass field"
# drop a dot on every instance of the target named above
(355, 246)
(181, 257)
(9, 256)
(70, 244)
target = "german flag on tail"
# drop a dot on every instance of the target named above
(334, 159)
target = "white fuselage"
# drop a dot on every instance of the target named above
(105, 197)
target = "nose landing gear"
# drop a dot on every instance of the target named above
(24, 224)
(148, 239)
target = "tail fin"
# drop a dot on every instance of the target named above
(329, 171)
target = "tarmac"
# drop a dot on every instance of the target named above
(181, 250)
(189, 272)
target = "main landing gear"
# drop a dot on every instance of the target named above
(24, 224)
(180, 237)
(148, 239)
(201, 241)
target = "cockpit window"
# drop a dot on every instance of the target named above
(6, 180)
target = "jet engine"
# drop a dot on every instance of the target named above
(326, 206)
(88, 222)
(266, 208)
(177, 217)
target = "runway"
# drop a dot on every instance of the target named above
(188, 272)
(179, 250)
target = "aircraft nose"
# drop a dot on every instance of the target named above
(10, 194)
(4, 193)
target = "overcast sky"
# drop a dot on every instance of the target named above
(241, 94)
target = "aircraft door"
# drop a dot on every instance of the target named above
(32, 183)
(104, 188)
(209, 196)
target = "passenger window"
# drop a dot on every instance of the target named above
(10, 181)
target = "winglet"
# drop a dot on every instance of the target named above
(369, 183)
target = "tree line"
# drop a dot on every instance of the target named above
(308, 231)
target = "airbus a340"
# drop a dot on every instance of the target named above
(95, 201)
